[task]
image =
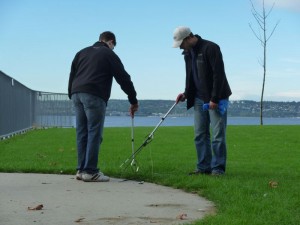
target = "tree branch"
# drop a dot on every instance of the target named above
(270, 10)
(258, 15)
(273, 30)
(259, 38)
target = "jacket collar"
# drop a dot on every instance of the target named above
(196, 47)
(99, 44)
(199, 42)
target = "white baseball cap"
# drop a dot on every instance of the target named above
(179, 34)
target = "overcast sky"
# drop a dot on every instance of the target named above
(39, 38)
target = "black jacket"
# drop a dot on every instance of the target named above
(211, 73)
(93, 69)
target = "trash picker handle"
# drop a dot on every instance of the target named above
(162, 119)
(132, 134)
(150, 136)
(170, 110)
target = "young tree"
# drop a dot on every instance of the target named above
(261, 19)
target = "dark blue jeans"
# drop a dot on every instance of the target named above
(210, 147)
(90, 114)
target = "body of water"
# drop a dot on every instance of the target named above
(125, 121)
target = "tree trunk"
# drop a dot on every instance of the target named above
(261, 21)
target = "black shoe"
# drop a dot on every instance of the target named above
(198, 172)
(217, 173)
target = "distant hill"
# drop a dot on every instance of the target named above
(241, 108)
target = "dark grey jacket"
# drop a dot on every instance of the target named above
(93, 69)
(211, 73)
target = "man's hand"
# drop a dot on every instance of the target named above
(213, 105)
(133, 109)
(180, 98)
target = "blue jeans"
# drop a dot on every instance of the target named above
(210, 147)
(90, 114)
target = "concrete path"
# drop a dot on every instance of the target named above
(67, 201)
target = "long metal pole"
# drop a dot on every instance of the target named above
(149, 138)
(134, 163)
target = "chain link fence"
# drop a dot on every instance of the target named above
(22, 109)
(53, 110)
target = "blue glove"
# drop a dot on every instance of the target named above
(222, 106)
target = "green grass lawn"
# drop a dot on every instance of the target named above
(256, 156)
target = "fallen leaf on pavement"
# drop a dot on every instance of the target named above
(38, 207)
(182, 216)
(79, 220)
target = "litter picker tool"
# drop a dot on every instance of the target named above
(149, 138)
(134, 164)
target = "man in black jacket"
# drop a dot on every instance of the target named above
(207, 90)
(90, 82)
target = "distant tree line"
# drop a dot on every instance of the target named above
(242, 108)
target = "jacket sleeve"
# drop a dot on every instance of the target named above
(123, 78)
(72, 75)
(218, 71)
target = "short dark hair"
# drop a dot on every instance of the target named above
(107, 36)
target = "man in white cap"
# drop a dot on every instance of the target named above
(207, 90)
